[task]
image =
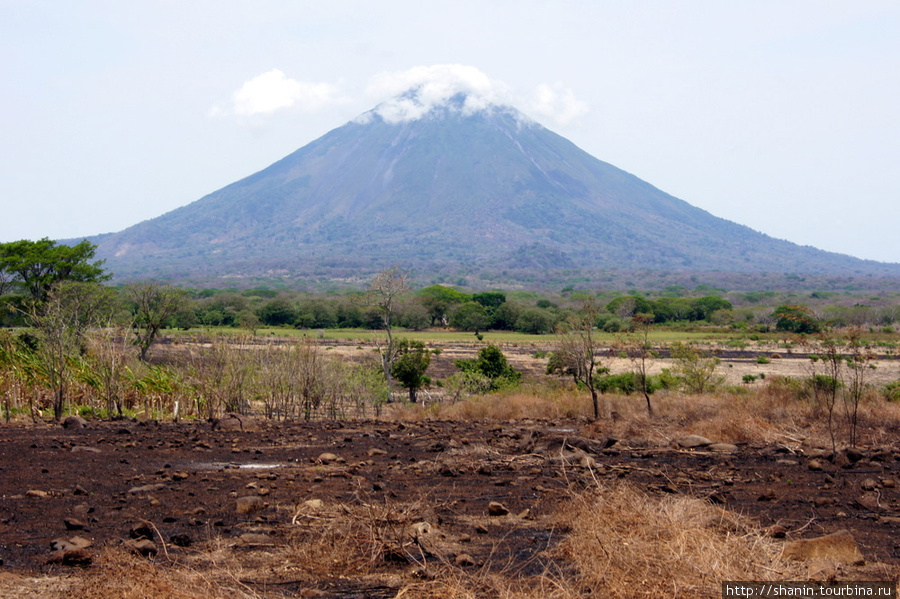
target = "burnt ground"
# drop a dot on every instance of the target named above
(183, 482)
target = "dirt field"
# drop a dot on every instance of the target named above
(407, 496)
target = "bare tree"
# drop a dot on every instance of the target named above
(385, 291)
(637, 346)
(152, 304)
(577, 353)
(61, 322)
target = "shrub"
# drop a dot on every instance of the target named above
(891, 391)
(763, 360)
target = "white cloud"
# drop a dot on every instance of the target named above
(273, 91)
(410, 95)
(555, 103)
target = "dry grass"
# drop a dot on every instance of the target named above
(768, 413)
(624, 543)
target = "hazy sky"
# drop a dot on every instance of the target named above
(783, 115)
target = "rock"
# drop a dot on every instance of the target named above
(71, 557)
(330, 458)
(74, 423)
(464, 560)
(84, 449)
(146, 489)
(249, 504)
(869, 484)
(235, 422)
(141, 531)
(495, 508)
(181, 540)
(692, 442)
(376, 451)
(71, 543)
(74, 524)
(816, 464)
(723, 448)
(37, 493)
(853, 454)
(890, 520)
(142, 547)
(839, 546)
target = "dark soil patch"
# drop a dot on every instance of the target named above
(184, 479)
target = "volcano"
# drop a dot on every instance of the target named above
(463, 185)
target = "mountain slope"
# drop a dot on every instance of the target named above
(486, 189)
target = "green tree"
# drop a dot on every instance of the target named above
(471, 316)
(535, 321)
(703, 307)
(492, 364)
(796, 319)
(39, 265)
(409, 368)
(439, 301)
(277, 312)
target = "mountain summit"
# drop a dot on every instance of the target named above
(436, 181)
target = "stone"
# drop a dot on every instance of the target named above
(74, 524)
(723, 447)
(869, 484)
(37, 493)
(142, 547)
(235, 422)
(816, 464)
(495, 508)
(71, 557)
(249, 504)
(839, 546)
(330, 458)
(464, 560)
(74, 423)
(146, 489)
(692, 442)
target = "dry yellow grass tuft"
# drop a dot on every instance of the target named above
(624, 543)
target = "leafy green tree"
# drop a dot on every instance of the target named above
(409, 368)
(278, 311)
(703, 307)
(471, 316)
(39, 265)
(439, 301)
(536, 321)
(796, 318)
(627, 306)
(490, 299)
(492, 364)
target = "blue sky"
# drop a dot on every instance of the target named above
(780, 115)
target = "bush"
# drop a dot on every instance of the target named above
(891, 391)
(763, 360)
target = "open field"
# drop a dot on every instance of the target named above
(516, 494)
